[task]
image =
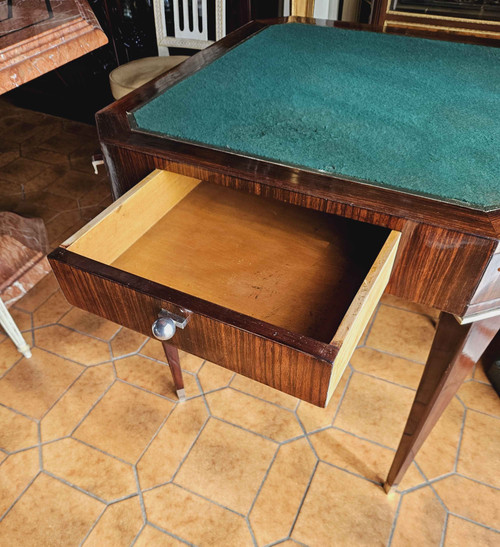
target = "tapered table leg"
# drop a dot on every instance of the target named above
(172, 355)
(454, 351)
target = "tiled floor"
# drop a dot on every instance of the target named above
(95, 449)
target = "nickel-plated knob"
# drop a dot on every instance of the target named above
(164, 328)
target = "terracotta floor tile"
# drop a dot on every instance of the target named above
(151, 536)
(9, 355)
(253, 414)
(262, 391)
(123, 421)
(470, 499)
(337, 508)
(76, 402)
(396, 302)
(89, 469)
(279, 500)
(394, 369)
(119, 525)
(39, 293)
(227, 465)
(49, 513)
(170, 446)
(51, 310)
(72, 345)
(154, 349)
(89, 323)
(413, 477)
(77, 185)
(22, 169)
(153, 376)
(34, 152)
(16, 431)
(33, 385)
(40, 183)
(375, 409)
(21, 318)
(126, 341)
(62, 142)
(479, 373)
(421, 519)
(402, 333)
(480, 397)
(460, 532)
(16, 472)
(194, 519)
(438, 453)
(61, 223)
(362, 457)
(314, 417)
(212, 376)
(479, 452)
(9, 151)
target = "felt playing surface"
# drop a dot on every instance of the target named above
(422, 116)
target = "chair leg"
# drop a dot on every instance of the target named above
(172, 355)
(12, 331)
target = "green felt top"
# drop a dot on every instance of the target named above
(422, 116)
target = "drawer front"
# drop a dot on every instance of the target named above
(237, 348)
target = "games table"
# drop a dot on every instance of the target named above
(290, 174)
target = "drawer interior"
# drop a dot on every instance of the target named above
(295, 268)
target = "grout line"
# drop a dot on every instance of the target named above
(213, 502)
(341, 400)
(364, 438)
(261, 486)
(467, 519)
(301, 503)
(250, 529)
(134, 540)
(395, 520)
(140, 494)
(191, 446)
(95, 448)
(252, 432)
(477, 481)
(385, 380)
(445, 529)
(93, 526)
(262, 399)
(460, 437)
(353, 473)
(385, 352)
(63, 394)
(166, 532)
(19, 412)
(92, 406)
(75, 486)
(164, 397)
(20, 495)
(155, 434)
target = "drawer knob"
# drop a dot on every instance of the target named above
(165, 326)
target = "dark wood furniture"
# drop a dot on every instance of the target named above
(448, 258)
(36, 37)
(459, 19)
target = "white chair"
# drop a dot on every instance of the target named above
(130, 76)
(184, 36)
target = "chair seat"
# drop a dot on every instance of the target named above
(130, 76)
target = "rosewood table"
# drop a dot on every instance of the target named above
(38, 36)
(335, 163)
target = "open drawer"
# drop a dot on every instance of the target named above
(270, 290)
